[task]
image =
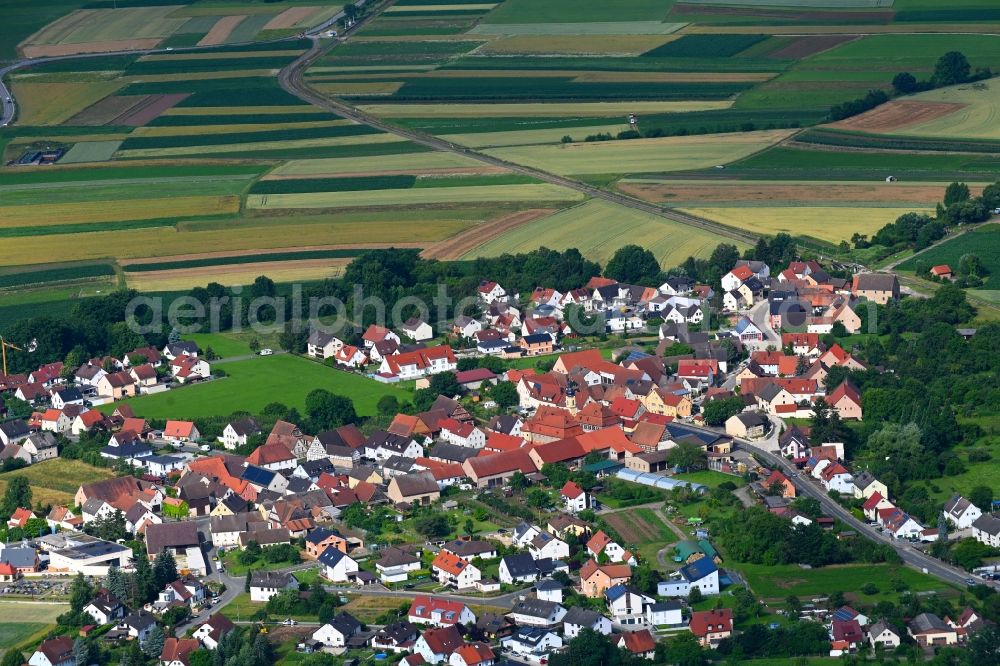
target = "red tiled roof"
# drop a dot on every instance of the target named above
(571, 490)
(500, 463)
(450, 563)
(639, 642)
(560, 450)
(713, 621)
(178, 429)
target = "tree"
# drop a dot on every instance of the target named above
(537, 498)
(687, 456)
(13, 658)
(18, 494)
(327, 411)
(80, 593)
(154, 642)
(956, 192)
(694, 596)
(444, 383)
(982, 497)
(294, 338)
(794, 605)
(683, 650)
(951, 68)
(718, 411)
(81, 652)
(387, 405)
(432, 524)
(246, 583)
(904, 83)
(632, 264)
(165, 569)
(518, 481)
(971, 265)
(254, 345)
(504, 394)
(117, 583)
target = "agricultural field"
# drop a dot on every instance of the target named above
(983, 241)
(831, 223)
(253, 383)
(640, 155)
(598, 228)
(964, 111)
(56, 481)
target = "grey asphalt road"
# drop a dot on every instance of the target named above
(910, 555)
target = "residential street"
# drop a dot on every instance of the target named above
(906, 551)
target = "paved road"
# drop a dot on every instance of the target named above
(906, 551)
(291, 79)
(6, 100)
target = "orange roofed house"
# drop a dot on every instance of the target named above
(181, 431)
(595, 579)
(550, 424)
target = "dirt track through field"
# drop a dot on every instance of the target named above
(55, 50)
(221, 30)
(468, 240)
(898, 114)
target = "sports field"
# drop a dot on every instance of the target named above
(780, 581)
(25, 622)
(598, 228)
(252, 384)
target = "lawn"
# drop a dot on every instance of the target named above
(833, 223)
(780, 581)
(710, 478)
(56, 481)
(254, 383)
(598, 228)
(641, 155)
(26, 622)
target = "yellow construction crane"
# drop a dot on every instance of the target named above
(3, 347)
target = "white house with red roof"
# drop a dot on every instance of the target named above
(454, 570)
(439, 612)
(181, 431)
(189, 368)
(575, 498)
(472, 654)
(736, 277)
(874, 504)
(419, 363)
(462, 433)
(835, 476)
(491, 292)
(375, 334)
(350, 356)
(697, 374)
(602, 543)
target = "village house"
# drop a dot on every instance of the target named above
(266, 584)
(213, 629)
(928, 630)
(340, 629)
(439, 612)
(960, 512)
(56, 651)
(238, 433)
(710, 627)
(532, 612)
(876, 287)
(419, 488)
(177, 651)
(417, 330)
(455, 571)
(595, 579)
(323, 345)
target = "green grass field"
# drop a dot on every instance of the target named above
(26, 622)
(780, 581)
(56, 481)
(710, 478)
(983, 242)
(557, 11)
(254, 383)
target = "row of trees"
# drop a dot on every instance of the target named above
(951, 68)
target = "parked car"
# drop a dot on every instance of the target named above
(267, 351)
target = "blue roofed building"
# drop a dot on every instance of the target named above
(703, 573)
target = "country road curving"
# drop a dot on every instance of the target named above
(291, 79)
